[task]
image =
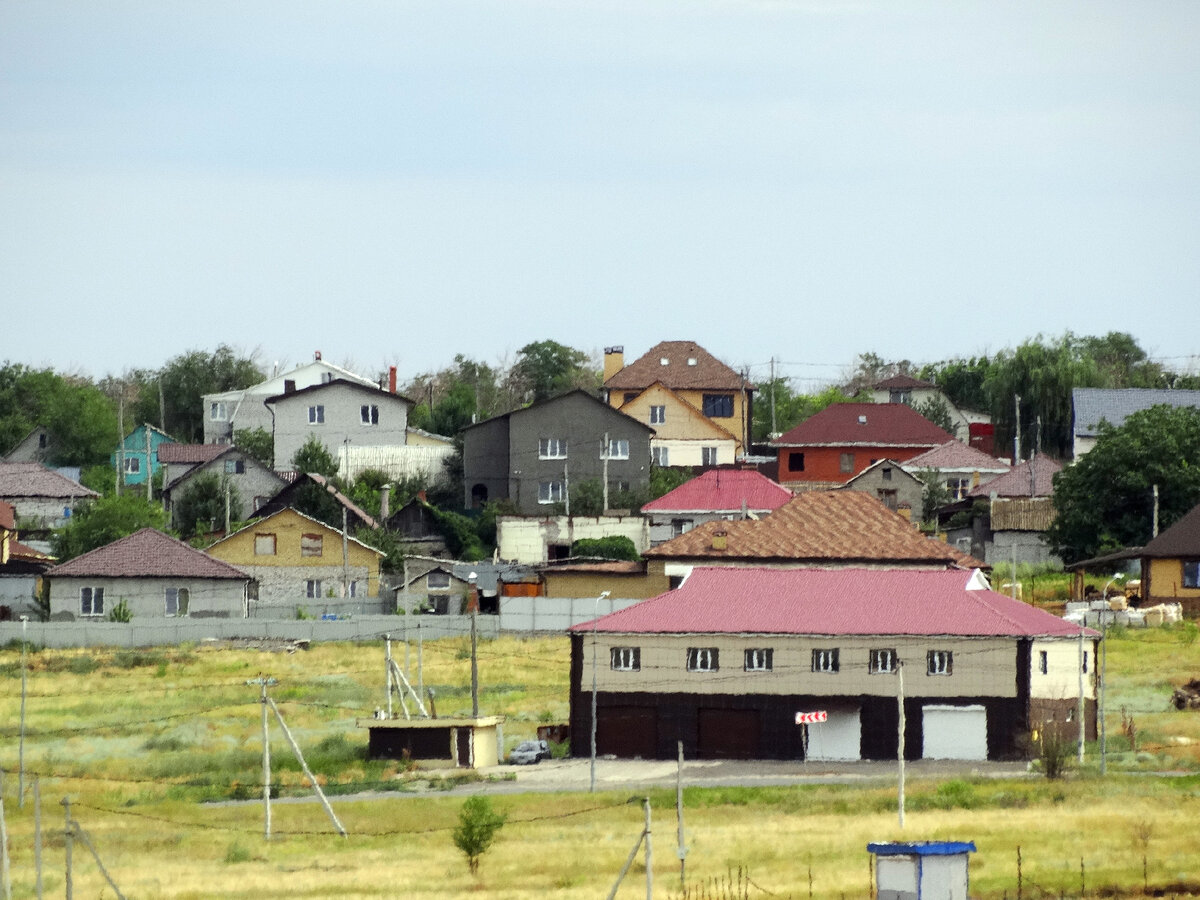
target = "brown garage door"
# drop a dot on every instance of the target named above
(627, 731)
(729, 734)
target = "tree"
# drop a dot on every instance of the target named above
(80, 419)
(1121, 362)
(961, 380)
(792, 408)
(545, 369)
(104, 520)
(179, 386)
(258, 443)
(313, 458)
(478, 825)
(202, 506)
(934, 495)
(937, 411)
(870, 368)
(454, 397)
(1105, 500)
(615, 546)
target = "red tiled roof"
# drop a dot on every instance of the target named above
(146, 554)
(17, 550)
(723, 490)
(877, 424)
(818, 526)
(833, 602)
(677, 373)
(30, 479)
(190, 453)
(901, 383)
(1016, 481)
(956, 455)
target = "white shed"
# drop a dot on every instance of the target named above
(921, 870)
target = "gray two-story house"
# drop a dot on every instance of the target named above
(533, 456)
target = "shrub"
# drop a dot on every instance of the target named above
(1054, 746)
(120, 612)
(478, 825)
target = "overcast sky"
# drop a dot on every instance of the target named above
(394, 182)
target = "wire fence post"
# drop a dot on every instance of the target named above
(67, 847)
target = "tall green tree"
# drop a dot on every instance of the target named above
(181, 384)
(1105, 500)
(202, 505)
(544, 369)
(104, 520)
(314, 458)
(961, 380)
(80, 419)
(791, 407)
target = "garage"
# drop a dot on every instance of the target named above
(627, 731)
(954, 732)
(729, 733)
(838, 738)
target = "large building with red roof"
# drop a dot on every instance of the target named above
(725, 663)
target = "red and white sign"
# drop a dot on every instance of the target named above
(811, 718)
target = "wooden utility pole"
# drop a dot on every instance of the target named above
(149, 467)
(1017, 430)
(68, 840)
(1081, 708)
(649, 860)
(682, 851)
(474, 663)
(304, 766)
(346, 558)
(4, 872)
(900, 741)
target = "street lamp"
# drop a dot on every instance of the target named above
(603, 596)
(1120, 576)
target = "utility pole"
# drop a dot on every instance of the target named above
(900, 741)
(682, 851)
(1017, 430)
(21, 746)
(567, 487)
(68, 840)
(345, 557)
(37, 833)
(595, 618)
(228, 490)
(262, 681)
(1154, 526)
(773, 428)
(604, 463)
(120, 473)
(1081, 708)
(649, 854)
(149, 467)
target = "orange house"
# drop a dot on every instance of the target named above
(844, 439)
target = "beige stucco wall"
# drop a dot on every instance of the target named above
(1166, 578)
(1061, 681)
(982, 666)
(524, 539)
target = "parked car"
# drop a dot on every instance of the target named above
(527, 753)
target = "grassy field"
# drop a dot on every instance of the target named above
(140, 739)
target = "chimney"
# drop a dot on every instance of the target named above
(384, 496)
(317, 355)
(720, 540)
(391, 379)
(289, 385)
(862, 420)
(614, 361)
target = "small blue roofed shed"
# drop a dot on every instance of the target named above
(921, 870)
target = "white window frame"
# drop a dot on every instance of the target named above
(437, 581)
(618, 448)
(703, 659)
(368, 413)
(133, 465)
(551, 492)
(552, 448)
(177, 600)
(708, 456)
(826, 660)
(660, 456)
(940, 662)
(218, 411)
(312, 589)
(759, 659)
(883, 661)
(91, 601)
(658, 415)
(625, 659)
(235, 467)
(316, 414)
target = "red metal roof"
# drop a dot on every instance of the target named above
(147, 554)
(875, 424)
(723, 490)
(1032, 478)
(833, 602)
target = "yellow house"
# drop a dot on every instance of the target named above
(293, 557)
(1171, 565)
(683, 436)
(694, 375)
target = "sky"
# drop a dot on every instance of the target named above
(395, 183)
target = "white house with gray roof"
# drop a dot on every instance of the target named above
(1095, 405)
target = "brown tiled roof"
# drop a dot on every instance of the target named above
(8, 517)
(596, 567)
(956, 455)
(194, 454)
(677, 373)
(17, 550)
(1181, 539)
(819, 526)
(876, 424)
(146, 554)
(30, 479)
(1016, 482)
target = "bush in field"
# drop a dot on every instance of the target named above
(478, 824)
(1054, 747)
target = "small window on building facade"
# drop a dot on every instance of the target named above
(326, 377)
(718, 406)
(217, 411)
(674, 581)
(438, 581)
(353, 589)
(958, 487)
(177, 601)
(846, 463)
(312, 545)
(941, 662)
(886, 472)
(618, 449)
(703, 659)
(760, 659)
(1043, 662)
(552, 448)
(629, 395)
(889, 497)
(133, 465)
(708, 456)
(680, 526)
(658, 415)
(264, 545)
(91, 601)
(316, 415)
(369, 413)
(660, 456)
(625, 659)
(796, 462)
(618, 486)
(825, 660)
(235, 467)
(1191, 573)
(1084, 661)
(550, 492)
(901, 396)
(312, 588)
(883, 661)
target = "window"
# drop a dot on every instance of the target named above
(1043, 662)
(886, 472)
(552, 448)
(958, 487)
(660, 456)
(316, 415)
(658, 415)
(795, 462)
(235, 467)
(941, 662)
(1085, 656)
(759, 659)
(352, 589)
(312, 588)
(900, 396)
(91, 601)
(312, 545)
(438, 581)
(625, 659)
(326, 377)
(889, 497)
(718, 406)
(133, 465)
(217, 411)
(1191, 573)
(846, 463)
(629, 395)
(618, 449)
(616, 486)
(551, 492)
(679, 526)
(883, 662)
(177, 601)
(708, 456)
(702, 659)
(264, 545)
(369, 414)
(825, 660)
(674, 581)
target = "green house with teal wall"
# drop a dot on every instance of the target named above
(131, 456)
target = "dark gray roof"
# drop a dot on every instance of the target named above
(1181, 539)
(1114, 406)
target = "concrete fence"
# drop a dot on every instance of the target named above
(554, 614)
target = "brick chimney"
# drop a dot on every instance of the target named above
(614, 361)
(391, 379)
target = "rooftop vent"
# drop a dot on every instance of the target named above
(691, 360)
(720, 540)
(664, 361)
(862, 420)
